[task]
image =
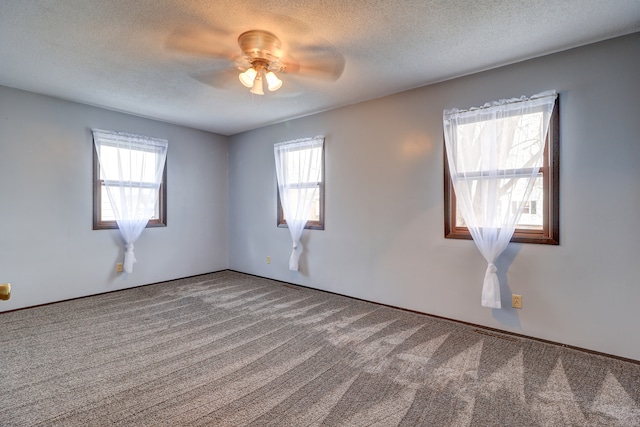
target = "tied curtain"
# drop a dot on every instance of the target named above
(131, 168)
(494, 155)
(298, 171)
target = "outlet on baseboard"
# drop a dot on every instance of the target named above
(516, 301)
(119, 267)
(268, 259)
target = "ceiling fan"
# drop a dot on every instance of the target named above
(263, 51)
(261, 58)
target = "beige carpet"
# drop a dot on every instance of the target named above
(228, 349)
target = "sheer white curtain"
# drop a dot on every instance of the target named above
(298, 170)
(131, 168)
(495, 153)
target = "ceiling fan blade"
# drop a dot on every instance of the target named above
(318, 62)
(219, 79)
(276, 23)
(290, 65)
(201, 41)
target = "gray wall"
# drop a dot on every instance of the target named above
(48, 250)
(384, 204)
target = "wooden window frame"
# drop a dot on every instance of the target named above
(550, 233)
(99, 224)
(310, 225)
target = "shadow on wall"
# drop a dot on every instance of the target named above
(507, 315)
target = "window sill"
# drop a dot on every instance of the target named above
(311, 226)
(518, 237)
(112, 225)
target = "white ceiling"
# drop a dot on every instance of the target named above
(130, 55)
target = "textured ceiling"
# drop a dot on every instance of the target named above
(164, 59)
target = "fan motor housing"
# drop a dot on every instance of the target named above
(261, 46)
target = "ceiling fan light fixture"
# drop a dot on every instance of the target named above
(273, 82)
(256, 89)
(262, 52)
(248, 78)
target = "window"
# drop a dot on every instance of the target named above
(298, 183)
(539, 219)
(103, 212)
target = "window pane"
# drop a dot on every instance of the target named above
(294, 196)
(107, 210)
(137, 165)
(531, 217)
(527, 136)
(134, 197)
(296, 162)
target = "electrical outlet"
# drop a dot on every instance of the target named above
(119, 267)
(516, 301)
(268, 259)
